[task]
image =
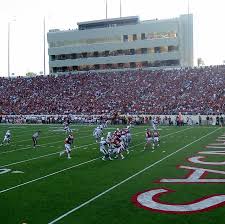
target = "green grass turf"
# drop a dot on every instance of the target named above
(43, 200)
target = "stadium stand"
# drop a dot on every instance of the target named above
(189, 90)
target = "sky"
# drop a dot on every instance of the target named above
(26, 26)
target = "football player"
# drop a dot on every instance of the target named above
(128, 134)
(155, 138)
(97, 133)
(149, 138)
(67, 144)
(154, 123)
(35, 137)
(118, 147)
(103, 144)
(124, 141)
(66, 127)
(7, 138)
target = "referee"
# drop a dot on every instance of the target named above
(35, 137)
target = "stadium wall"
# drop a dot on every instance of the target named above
(192, 119)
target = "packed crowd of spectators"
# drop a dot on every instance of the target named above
(189, 90)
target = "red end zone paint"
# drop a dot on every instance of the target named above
(150, 200)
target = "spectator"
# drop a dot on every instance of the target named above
(188, 90)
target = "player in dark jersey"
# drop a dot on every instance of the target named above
(67, 144)
(118, 147)
(149, 138)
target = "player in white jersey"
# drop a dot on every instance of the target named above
(124, 141)
(7, 138)
(107, 123)
(103, 144)
(109, 138)
(128, 134)
(101, 126)
(154, 124)
(97, 133)
(156, 138)
(67, 128)
(35, 137)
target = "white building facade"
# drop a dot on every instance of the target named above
(122, 43)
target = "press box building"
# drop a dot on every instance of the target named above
(122, 43)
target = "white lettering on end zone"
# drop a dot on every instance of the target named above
(217, 144)
(212, 152)
(215, 147)
(150, 200)
(195, 176)
(198, 160)
(4, 170)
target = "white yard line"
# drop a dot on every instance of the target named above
(125, 180)
(48, 175)
(15, 150)
(29, 140)
(62, 134)
(39, 157)
(6, 152)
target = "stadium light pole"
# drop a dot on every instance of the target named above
(188, 7)
(106, 9)
(188, 32)
(9, 26)
(120, 9)
(8, 49)
(44, 44)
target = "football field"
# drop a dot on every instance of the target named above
(182, 181)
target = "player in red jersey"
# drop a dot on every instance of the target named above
(68, 142)
(149, 138)
(117, 147)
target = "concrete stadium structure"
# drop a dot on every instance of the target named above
(122, 43)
